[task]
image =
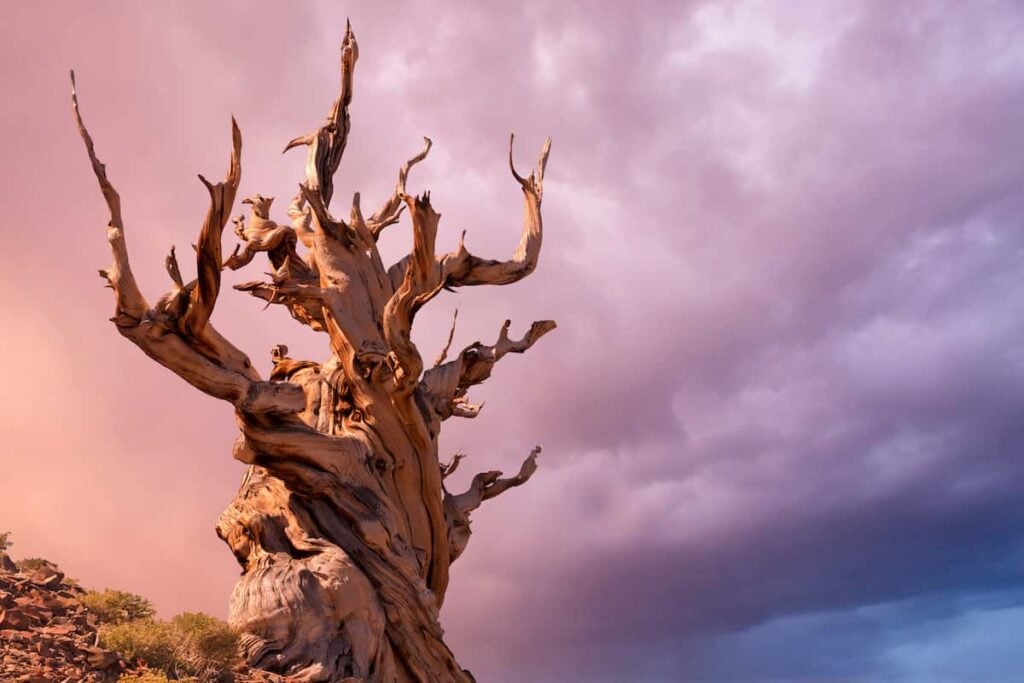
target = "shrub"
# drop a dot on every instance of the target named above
(5, 541)
(145, 640)
(145, 677)
(206, 645)
(117, 607)
(191, 644)
(30, 564)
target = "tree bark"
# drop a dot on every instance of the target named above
(342, 525)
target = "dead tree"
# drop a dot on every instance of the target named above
(342, 525)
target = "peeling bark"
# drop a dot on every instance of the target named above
(342, 526)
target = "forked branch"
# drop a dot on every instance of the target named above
(327, 143)
(389, 213)
(463, 269)
(484, 486)
(177, 333)
(208, 249)
(445, 386)
(420, 283)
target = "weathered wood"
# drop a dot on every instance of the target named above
(342, 526)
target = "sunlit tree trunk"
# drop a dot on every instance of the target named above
(342, 526)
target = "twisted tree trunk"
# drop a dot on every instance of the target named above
(342, 526)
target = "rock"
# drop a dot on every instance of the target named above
(102, 659)
(45, 635)
(47, 575)
(16, 619)
(58, 630)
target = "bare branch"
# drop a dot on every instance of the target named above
(304, 300)
(263, 234)
(419, 285)
(448, 344)
(484, 486)
(462, 269)
(301, 217)
(208, 255)
(327, 143)
(389, 213)
(445, 386)
(526, 471)
(460, 407)
(188, 346)
(452, 465)
(131, 305)
(171, 263)
(487, 485)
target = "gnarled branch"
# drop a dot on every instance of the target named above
(463, 269)
(176, 334)
(484, 486)
(389, 213)
(131, 306)
(327, 143)
(208, 251)
(419, 285)
(445, 386)
(263, 234)
(447, 469)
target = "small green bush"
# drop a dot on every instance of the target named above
(117, 607)
(142, 640)
(191, 644)
(206, 644)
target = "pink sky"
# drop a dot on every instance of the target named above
(785, 251)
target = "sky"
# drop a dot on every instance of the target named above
(784, 246)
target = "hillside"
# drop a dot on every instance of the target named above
(54, 631)
(46, 634)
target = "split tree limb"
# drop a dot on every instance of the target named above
(208, 254)
(177, 334)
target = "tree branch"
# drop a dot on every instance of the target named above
(131, 306)
(176, 334)
(448, 344)
(419, 285)
(208, 252)
(389, 213)
(262, 234)
(448, 469)
(484, 486)
(462, 269)
(445, 386)
(327, 143)
(526, 471)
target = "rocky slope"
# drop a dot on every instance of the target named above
(46, 634)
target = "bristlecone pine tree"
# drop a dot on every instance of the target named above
(342, 525)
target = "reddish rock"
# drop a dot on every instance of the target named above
(45, 635)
